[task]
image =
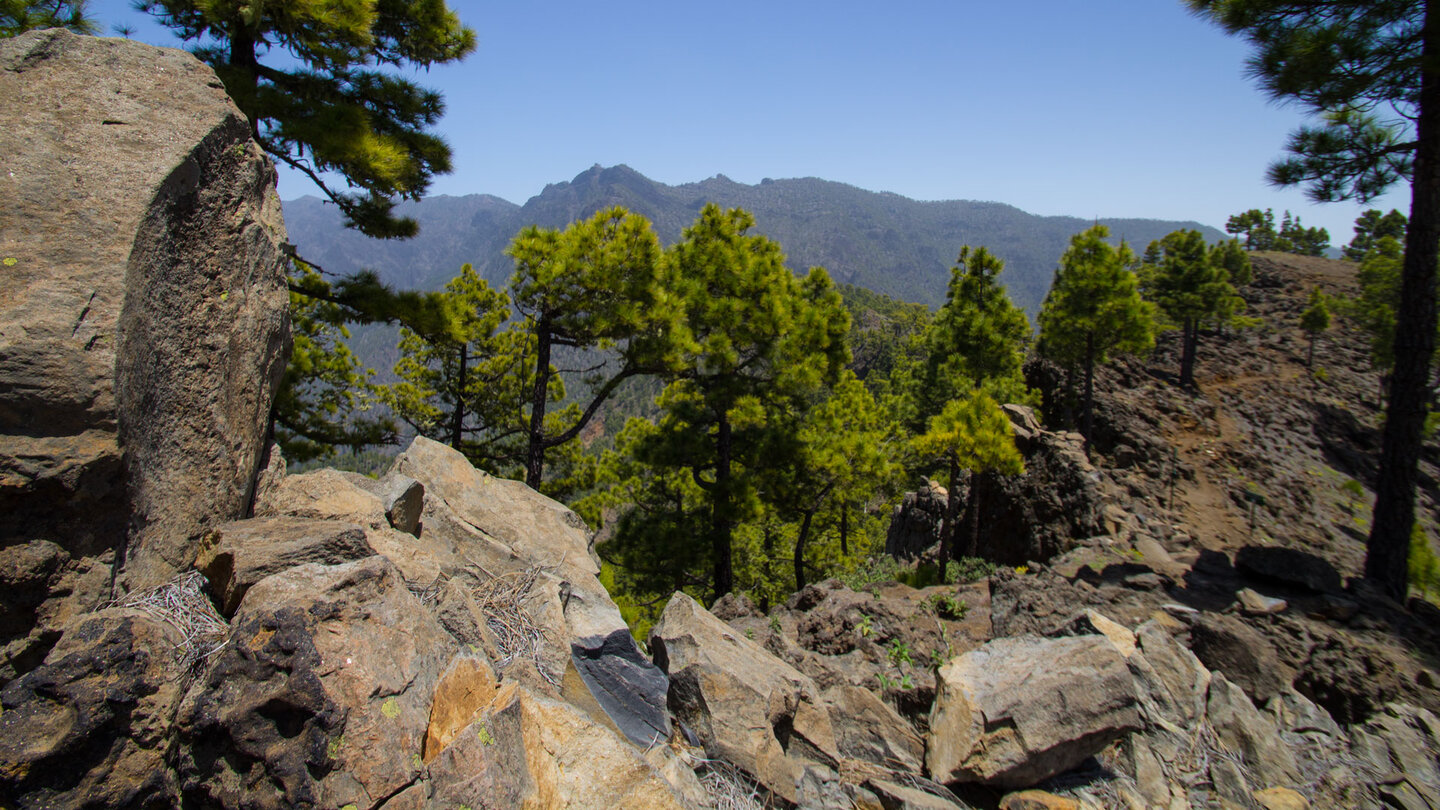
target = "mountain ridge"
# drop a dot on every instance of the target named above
(880, 240)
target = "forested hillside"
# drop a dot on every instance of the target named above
(881, 241)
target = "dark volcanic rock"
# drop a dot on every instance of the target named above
(1288, 566)
(90, 727)
(1248, 660)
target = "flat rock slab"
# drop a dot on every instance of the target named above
(234, 556)
(1019, 710)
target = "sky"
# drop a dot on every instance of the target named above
(1087, 108)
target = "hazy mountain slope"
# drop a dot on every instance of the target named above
(882, 241)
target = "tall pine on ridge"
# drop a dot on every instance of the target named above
(1349, 61)
(1094, 308)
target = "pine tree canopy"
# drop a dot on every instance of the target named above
(1095, 299)
(1370, 69)
(1094, 308)
(1316, 317)
(597, 285)
(19, 16)
(1370, 228)
(324, 100)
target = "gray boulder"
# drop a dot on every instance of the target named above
(322, 697)
(748, 707)
(143, 324)
(1020, 710)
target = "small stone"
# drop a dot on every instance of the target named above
(1281, 798)
(1253, 603)
(1037, 800)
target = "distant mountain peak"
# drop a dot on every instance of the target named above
(879, 240)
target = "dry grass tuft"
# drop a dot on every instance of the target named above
(502, 598)
(730, 788)
(183, 604)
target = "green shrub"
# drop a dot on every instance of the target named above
(1424, 564)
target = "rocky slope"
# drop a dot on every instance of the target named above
(438, 638)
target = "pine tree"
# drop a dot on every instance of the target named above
(1191, 290)
(325, 398)
(1231, 256)
(971, 433)
(19, 16)
(465, 385)
(1298, 239)
(847, 454)
(1370, 228)
(596, 286)
(1258, 228)
(1315, 320)
(760, 344)
(322, 102)
(1346, 60)
(978, 338)
(1094, 308)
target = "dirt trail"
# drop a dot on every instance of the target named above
(1214, 520)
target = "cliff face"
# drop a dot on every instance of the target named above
(143, 321)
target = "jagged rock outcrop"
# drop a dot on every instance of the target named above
(1024, 518)
(143, 317)
(747, 706)
(995, 718)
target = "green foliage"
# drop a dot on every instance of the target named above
(1296, 238)
(1424, 565)
(321, 101)
(970, 433)
(978, 338)
(595, 286)
(1370, 228)
(885, 335)
(1231, 256)
(948, 608)
(1191, 290)
(760, 347)
(1094, 308)
(19, 16)
(974, 432)
(1259, 231)
(1374, 309)
(1256, 226)
(464, 385)
(326, 396)
(1315, 320)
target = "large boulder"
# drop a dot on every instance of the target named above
(234, 556)
(1020, 710)
(322, 697)
(520, 750)
(143, 324)
(748, 707)
(90, 728)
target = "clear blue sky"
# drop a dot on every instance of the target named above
(1091, 108)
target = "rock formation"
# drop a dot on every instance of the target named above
(142, 321)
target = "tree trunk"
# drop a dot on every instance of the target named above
(972, 548)
(1088, 423)
(535, 452)
(1386, 559)
(1310, 355)
(721, 519)
(800, 549)
(844, 529)
(952, 511)
(457, 418)
(1189, 337)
